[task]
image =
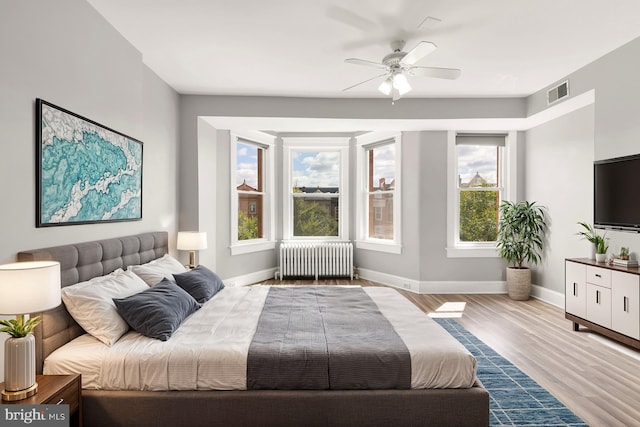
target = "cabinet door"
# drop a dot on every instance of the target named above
(599, 305)
(575, 289)
(625, 296)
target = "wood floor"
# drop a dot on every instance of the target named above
(598, 379)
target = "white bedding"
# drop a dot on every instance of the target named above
(209, 350)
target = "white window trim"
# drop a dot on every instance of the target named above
(339, 144)
(267, 242)
(362, 201)
(476, 250)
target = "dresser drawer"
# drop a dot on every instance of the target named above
(599, 276)
(66, 396)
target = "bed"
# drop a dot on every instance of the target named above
(123, 404)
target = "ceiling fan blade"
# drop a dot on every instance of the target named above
(438, 73)
(361, 83)
(430, 22)
(365, 62)
(421, 50)
(351, 19)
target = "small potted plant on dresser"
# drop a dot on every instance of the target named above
(522, 226)
(599, 242)
(624, 253)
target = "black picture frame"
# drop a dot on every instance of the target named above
(86, 173)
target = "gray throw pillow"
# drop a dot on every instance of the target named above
(201, 283)
(158, 311)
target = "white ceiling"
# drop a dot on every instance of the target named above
(297, 48)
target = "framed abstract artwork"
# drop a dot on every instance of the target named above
(86, 172)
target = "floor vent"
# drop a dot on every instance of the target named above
(556, 93)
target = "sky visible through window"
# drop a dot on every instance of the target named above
(316, 168)
(246, 164)
(384, 164)
(481, 159)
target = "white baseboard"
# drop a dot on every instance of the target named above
(391, 280)
(439, 287)
(251, 278)
(458, 287)
(547, 295)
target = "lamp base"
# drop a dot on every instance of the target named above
(12, 396)
(192, 260)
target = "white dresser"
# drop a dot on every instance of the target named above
(604, 298)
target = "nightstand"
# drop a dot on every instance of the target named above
(57, 390)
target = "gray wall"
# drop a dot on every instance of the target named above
(559, 176)
(67, 54)
(613, 126)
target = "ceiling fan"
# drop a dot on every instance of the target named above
(399, 64)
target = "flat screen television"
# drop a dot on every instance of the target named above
(616, 193)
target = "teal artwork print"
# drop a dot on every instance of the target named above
(88, 173)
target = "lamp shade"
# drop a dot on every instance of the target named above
(29, 287)
(192, 240)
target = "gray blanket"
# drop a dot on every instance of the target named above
(325, 337)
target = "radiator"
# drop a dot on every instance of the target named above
(316, 259)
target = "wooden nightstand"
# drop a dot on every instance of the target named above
(54, 390)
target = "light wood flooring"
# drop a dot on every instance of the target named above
(598, 379)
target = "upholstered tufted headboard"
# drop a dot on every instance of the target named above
(83, 261)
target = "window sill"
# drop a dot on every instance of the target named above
(246, 248)
(471, 252)
(391, 248)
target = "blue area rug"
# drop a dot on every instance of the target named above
(516, 399)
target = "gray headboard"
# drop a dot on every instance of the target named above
(83, 261)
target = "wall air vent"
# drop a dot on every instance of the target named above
(556, 93)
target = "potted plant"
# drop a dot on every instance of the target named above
(522, 226)
(599, 242)
(624, 253)
(20, 363)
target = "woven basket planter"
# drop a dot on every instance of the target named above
(519, 283)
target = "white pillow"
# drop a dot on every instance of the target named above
(91, 303)
(154, 271)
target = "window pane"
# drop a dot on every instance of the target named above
(479, 216)
(382, 167)
(249, 160)
(316, 170)
(381, 216)
(315, 216)
(249, 216)
(477, 166)
(249, 179)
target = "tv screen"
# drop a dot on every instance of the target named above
(616, 201)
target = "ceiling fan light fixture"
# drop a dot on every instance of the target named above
(401, 83)
(386, 86)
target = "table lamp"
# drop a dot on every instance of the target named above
(25, 287)
(192, 241)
